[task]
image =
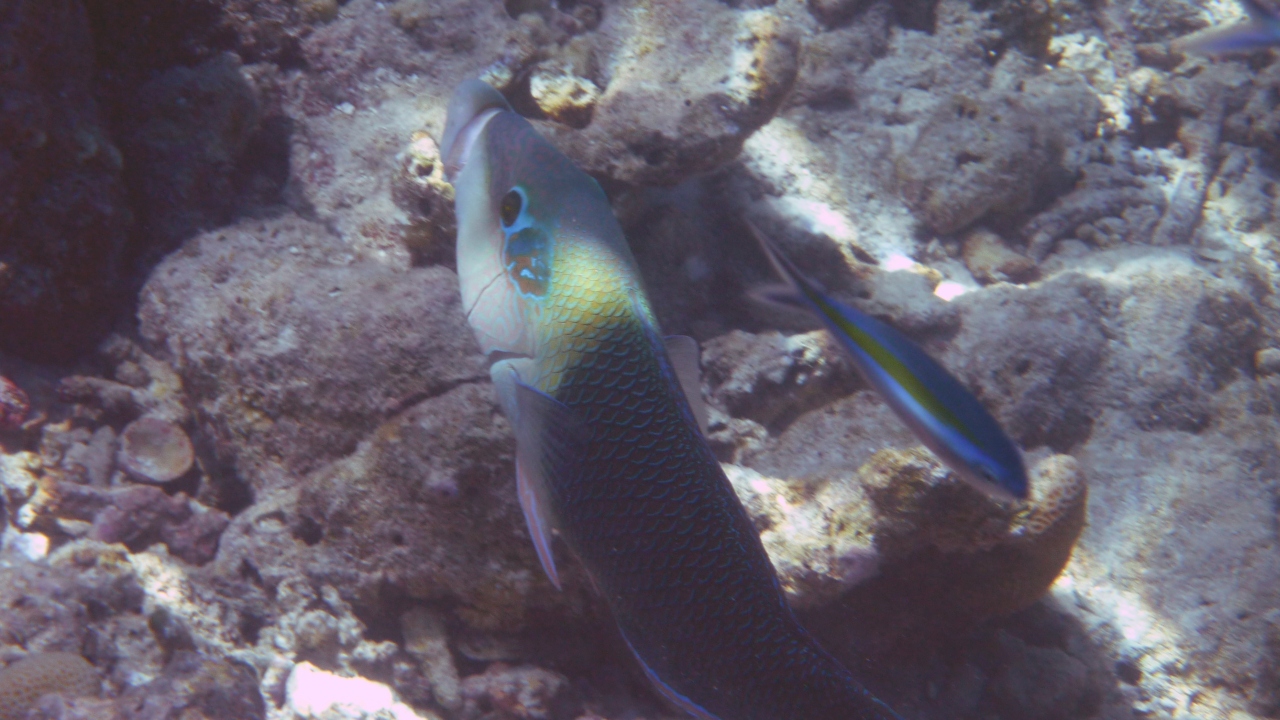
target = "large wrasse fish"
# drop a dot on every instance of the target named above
(942, 413)
(609, 454)
(1260, 31)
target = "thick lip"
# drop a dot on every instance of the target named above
(460, 149)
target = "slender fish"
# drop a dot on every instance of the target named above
(1260, 31)
(609, 453)
(946, 417)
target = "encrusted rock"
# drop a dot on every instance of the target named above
(990, 260)
(563, 96)
(513, 693)
(903, 511)
(993, 152)
(294, 348)
(421, 190)
(691, 82)
(14, 405)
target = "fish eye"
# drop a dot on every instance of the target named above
(510, 208)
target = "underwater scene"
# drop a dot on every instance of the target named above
(639, 359)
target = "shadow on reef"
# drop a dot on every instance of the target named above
(1036, 664)
(131, 129)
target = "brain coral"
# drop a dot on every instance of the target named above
(27, 680)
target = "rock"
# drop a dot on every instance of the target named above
(990, 260)
(513, 693)
(64, 217)
(155, 451)
(422, 192)
(197, 686)
(1037, 348)
(14, 405)
(992, 152)
(563, 96)
(772, 378)
(319, 695)
(1267, 361)
(1057, 688)
(425, 638)
(904, 523)
(187, 133)
(834, 12)
(144, 386)
(42, 498)
(421, 504)
(24, 682)
(661, 117)
(293, 348)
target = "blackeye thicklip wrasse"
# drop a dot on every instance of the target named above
(610, 456)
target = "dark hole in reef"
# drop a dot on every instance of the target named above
(1163, 130)
(424, 206)
(397, 538)
(965, 158)
(651, 149)
(250, 627)
(96, 609)
(1128, 672)
(382, 620)
(834, 99)
(263, 170)
(249, 571)
(233, 493)
(921, 15)
(308, 530)
(1022, 367)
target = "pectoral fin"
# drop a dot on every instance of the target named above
(549, 438)
(686, 359)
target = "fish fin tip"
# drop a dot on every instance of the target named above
(1255, 34)
(686, 360)
(668, 693)
(537, 519)
(546, 431)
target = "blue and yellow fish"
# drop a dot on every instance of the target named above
(609, 452)
(944, 415)
(1260, 31)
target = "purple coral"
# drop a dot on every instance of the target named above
(14, 405)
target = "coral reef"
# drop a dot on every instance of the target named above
(1077, 220)
(24, 682)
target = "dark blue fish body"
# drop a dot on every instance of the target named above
(609, 454)
(668, 544)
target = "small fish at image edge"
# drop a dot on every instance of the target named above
(1260, 31)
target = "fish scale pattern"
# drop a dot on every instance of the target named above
(657, 523)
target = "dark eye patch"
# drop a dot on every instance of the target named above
(510, 208)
